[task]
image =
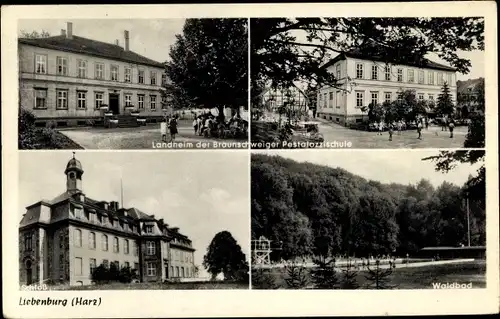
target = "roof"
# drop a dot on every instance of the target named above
(425, 63)
(469, 85)
(90, 47)
(137, 214)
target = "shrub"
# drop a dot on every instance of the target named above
(323, 274)
(262, 279)
(51, 124)
(100, 275)
(297, 276)
(126, 275)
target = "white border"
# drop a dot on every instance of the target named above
(123, 304)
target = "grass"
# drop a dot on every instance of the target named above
(211, 285)
(45, 138)
(413, 278)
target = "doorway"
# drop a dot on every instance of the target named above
(114, 103)
(29, 272)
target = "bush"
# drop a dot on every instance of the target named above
(262, 279)
(100, 275)
(51, 124)
(127, 274)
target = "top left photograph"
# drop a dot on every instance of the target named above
(133, 84)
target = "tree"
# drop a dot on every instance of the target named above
(444, 102)
(324, 274)
(289, 50)
(378, 277)
(296, 276)
(34, 34)
(349, 275)
(224, 255)
(208, 65)
(475, 137)
(262, 279)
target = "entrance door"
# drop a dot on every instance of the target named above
(114, 105)
(166, 272)
(29, 273)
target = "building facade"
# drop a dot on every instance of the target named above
(363, 81)
(71, 79)
(64, 239)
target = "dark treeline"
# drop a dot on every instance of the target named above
(314, 210)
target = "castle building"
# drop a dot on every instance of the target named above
(70, 80)
(364, 80)
(62, 240)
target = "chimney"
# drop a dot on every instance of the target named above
(126, 40)
(69, 27)
(63, 32)
(117, 42)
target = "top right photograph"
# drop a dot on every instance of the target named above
(367, 83)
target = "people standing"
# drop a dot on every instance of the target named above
(391, 131)
(400, 126)
(419, 130)
(451, 126)
(380, 128)
(173, 128)
(426, 123)
(195, 125)
(163, 130)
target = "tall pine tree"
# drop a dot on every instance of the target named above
(444, 103)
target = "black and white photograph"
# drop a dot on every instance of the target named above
(111, 221)
(368, 220)
(133, 84)
(347, 82)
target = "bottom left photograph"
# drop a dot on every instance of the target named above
(138, 220)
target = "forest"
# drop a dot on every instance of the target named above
(312, 210)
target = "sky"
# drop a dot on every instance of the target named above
(201, 193)
(386, 166)
(151, 38)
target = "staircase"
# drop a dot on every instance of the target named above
(127, 121)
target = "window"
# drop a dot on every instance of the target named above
(78, 238)
(114, 73)
(149, 229)
(128, 75)
(421, 96)
(125, 226)
(152, 76)
(28, 242)
(81, 99)
(136, 266)
(78, 266)
(400, 97)
(140, 101)
(150, 247)
(105, 263)
(99, 99)
(388, 97)
(104, 240)
(92, 264)
(82, 68)
(337, 96)
(177, 271)
(92, 240)
(62, 99)
(430, 78)
(127, 247)
(92, 217)
(141, 77)
(172, 274)
(40, 98)
(387, 72)
(41, 64)
(128, 99)
(411, 76)
(163, 79)
(99, 71)
(374, 99)
(117, 264)
(421, 77)
(338, 71)
(440, 78)
(182, 272)
(359, 99)
(400, 75)
(324, 100)
(431, 97)
(359, 71)
(116, 245)
(449, 79)
(136, 249)
(151, 269)
(374, 72)
(62, 66)
(330, 102)
(126, 264)
(152, 102)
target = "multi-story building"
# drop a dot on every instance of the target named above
(64, 239)
(71, 79)
(364, 80)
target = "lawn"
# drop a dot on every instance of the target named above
(411, 278)
(159, 286)
(45, 138)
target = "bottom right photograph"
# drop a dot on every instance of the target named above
(368, 219)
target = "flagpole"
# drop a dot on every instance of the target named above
(121, 188)
(468, 221)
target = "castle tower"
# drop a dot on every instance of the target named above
(74, 174)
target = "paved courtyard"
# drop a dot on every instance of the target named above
(431, 138)
(146, 137)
